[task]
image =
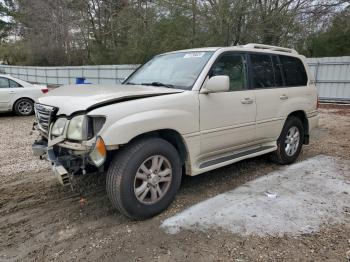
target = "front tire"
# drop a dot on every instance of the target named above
(24, 107)
(143, 178)
(290, 142)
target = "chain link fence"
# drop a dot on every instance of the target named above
(332, 75)
(65, 75)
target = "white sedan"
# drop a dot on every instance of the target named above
(19, 96)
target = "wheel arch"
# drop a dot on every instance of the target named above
(302, 116)
(24, 97)
(170, 135)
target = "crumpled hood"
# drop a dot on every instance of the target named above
(73, 98)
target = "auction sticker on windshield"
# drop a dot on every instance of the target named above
(194, 55)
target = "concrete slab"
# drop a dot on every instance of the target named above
(294, 200)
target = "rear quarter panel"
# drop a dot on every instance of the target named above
(27, 92)
(303, 97)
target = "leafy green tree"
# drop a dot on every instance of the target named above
(6, 11)
(74, 32)
(335, 40)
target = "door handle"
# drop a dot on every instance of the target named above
(247, 101)
(12, 92)
(283, 97)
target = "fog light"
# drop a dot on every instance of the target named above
(99, 153)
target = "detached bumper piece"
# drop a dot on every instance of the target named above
(60, 172)
(41, 150)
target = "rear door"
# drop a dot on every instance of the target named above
(270, 95)
(6, 94)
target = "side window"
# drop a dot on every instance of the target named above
(262, 71)
(277, 67)
(4, 83)
(232, 65)
(294, 71)
(14, 83)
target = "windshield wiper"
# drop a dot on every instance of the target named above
(158, 84)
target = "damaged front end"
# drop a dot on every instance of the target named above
(70, 144)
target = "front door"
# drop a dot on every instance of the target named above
(227, 119)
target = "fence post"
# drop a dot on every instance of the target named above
(316, 73)
(68, 69)
(57, 76)
(46, 76)
(98, 74)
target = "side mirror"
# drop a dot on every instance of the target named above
(216, 84)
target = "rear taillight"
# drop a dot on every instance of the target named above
(45, 90)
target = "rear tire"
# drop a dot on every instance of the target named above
(24, 107)
(290, 142)
(143, 178)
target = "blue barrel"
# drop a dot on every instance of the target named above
(80, 80)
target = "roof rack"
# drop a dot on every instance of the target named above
(270, 47)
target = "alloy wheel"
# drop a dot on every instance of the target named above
(292, 141)
(25, 107)
(153, 179)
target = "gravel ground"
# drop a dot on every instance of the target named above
(41, 221)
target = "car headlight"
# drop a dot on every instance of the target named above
(58, 127)
(78, 128)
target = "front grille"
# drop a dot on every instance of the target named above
(44, 115)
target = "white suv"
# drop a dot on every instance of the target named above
(184, 112)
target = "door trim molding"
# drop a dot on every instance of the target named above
(270, 120)
(226, 128)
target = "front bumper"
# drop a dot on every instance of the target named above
(65, 162)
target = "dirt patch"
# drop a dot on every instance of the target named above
(339, 109)
(334, 106)
(40, 220)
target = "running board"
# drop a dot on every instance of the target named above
(243, 155)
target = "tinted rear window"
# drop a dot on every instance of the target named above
(294, 71)
(262, 70)
(278, 71)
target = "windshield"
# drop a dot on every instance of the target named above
(176, 70)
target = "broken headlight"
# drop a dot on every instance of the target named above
(58, 126)
(77, 129)
(83, 127)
